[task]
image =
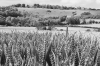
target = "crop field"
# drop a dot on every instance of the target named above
(56, 12)
(45, 49)
(49, 37)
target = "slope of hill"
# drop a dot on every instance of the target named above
(56, 12)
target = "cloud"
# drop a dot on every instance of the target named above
(77, 1)
(82, 3)
(98, 1)
(9, 2)
(71, 1)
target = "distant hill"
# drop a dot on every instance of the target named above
(47, 6)
(56, 12)
(22, 15)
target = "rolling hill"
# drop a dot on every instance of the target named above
(56, 12)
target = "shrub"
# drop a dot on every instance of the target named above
(92, 22)
(73, 21)
(8, 11)
(49, 11)
(49, 21)
(2, 20)
(63, 18)
(90, 16)
(88, 30)
(86, 13)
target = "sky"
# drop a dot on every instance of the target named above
(74, 3)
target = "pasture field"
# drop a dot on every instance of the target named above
(56, 12)
(47, 49)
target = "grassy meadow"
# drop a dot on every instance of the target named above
(43, 13)
(48, 48)
(57, 12)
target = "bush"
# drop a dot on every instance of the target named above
(88, 30)
(93, 22)
(86, 13)
(13, 12)
(49, 11)
(2, 20)
(90, 16)
(73, 21)
(49, 21)
(63, 18)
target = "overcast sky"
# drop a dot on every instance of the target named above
(82, 3)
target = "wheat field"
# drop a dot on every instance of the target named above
(45, 49)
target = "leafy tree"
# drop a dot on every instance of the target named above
(23, 5)
(15, 21)
(12, 12)
(86, 13)
(2, 20)
(28, 6)
(73, 20)
(17, 5)
(63, 18)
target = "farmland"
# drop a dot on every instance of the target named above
(32, 49)
(26, 45)
(34, 17)
(43, 13)
(56, 12)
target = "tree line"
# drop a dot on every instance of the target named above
(52, 7)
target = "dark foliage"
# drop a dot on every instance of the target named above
(23, 5)
(73, 21)
(45, 6)
(9, 11)
(53, 7)
(86, 13)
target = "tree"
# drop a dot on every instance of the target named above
(17, 5)
(23, 5)
(2, 20)
(28, 6)
(86, 13)
(73, 20)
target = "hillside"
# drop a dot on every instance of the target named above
(35, 17)
(57, 12)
